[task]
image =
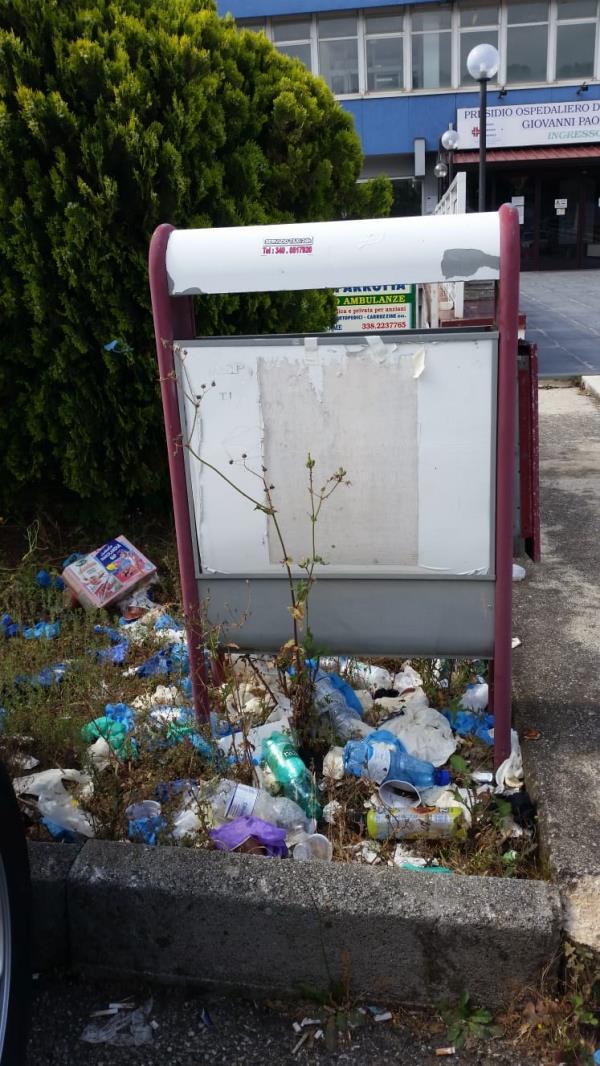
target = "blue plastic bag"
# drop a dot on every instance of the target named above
(42, 631)
(470, 724)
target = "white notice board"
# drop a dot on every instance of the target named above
(410, 418)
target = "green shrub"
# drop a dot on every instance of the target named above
(115, 116)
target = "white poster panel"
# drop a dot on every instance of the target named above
(411, 421)
(553, 123)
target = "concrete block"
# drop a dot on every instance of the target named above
(49, 866)
(280, 927)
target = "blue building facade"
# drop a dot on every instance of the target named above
(400, 70)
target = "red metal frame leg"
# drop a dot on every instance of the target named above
(174, 318)
(508, 312)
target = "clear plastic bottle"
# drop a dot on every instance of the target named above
(406, 823)
(382, 757)
(229, 800)
(335, 699)
(290, 772)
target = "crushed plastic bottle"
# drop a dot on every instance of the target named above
(335, 699)
(145, 821)
(381, 756)
(295, 779)
(408, 823)
(229, 800)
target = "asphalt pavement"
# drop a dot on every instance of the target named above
(563, 319)
(234, 1032)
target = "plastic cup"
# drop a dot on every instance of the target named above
(314, 847)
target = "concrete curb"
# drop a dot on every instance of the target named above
(50, 866)
(591, 384)
(265, 926)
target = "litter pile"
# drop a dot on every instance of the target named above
(398, 774)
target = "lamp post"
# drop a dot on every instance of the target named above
(482, 64)
(440, 170)
(449, 140)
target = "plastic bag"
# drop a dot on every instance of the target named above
(124, 1029)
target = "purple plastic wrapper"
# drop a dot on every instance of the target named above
(230, 836)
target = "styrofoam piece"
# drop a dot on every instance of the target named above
(319, 255)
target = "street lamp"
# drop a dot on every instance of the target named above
(440, 169)
(482, 64)
(449, 141)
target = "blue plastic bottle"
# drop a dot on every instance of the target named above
(381, 757)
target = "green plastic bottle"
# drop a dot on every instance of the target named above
(290, 772)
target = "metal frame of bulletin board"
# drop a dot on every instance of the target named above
(434, 410)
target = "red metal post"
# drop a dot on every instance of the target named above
(508, 316)
(534, 546)
(174, 318)
(529, 449)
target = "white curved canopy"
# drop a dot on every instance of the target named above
(319, 255)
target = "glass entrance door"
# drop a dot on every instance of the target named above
(558, 237)
(590, 250)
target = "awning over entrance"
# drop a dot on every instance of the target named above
(518, 155)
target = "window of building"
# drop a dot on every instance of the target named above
(478, 25)
(254, 25)
(431, 48)
(406, 197)
(575, 38)
(527, 40)
(384, 38)
(424, 46)
(338, 52)
(292, 37)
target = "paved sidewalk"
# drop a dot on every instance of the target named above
(563, 319)
(243, 1033)
(557, 670)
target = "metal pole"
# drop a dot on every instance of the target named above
(174, 318)
(508, 315)
(450, 168)
(482, 139)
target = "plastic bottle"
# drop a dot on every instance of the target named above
(229, 800)
(406, 823)
(288, 769)
(382, 757)
(335, 699)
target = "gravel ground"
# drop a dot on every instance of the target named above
(242, 1033)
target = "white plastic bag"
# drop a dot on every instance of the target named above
(425, 733)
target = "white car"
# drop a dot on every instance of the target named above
(15, 970)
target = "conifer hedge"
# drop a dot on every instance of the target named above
(116, 115)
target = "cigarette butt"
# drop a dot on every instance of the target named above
(299, 1044)
(442, 1052)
